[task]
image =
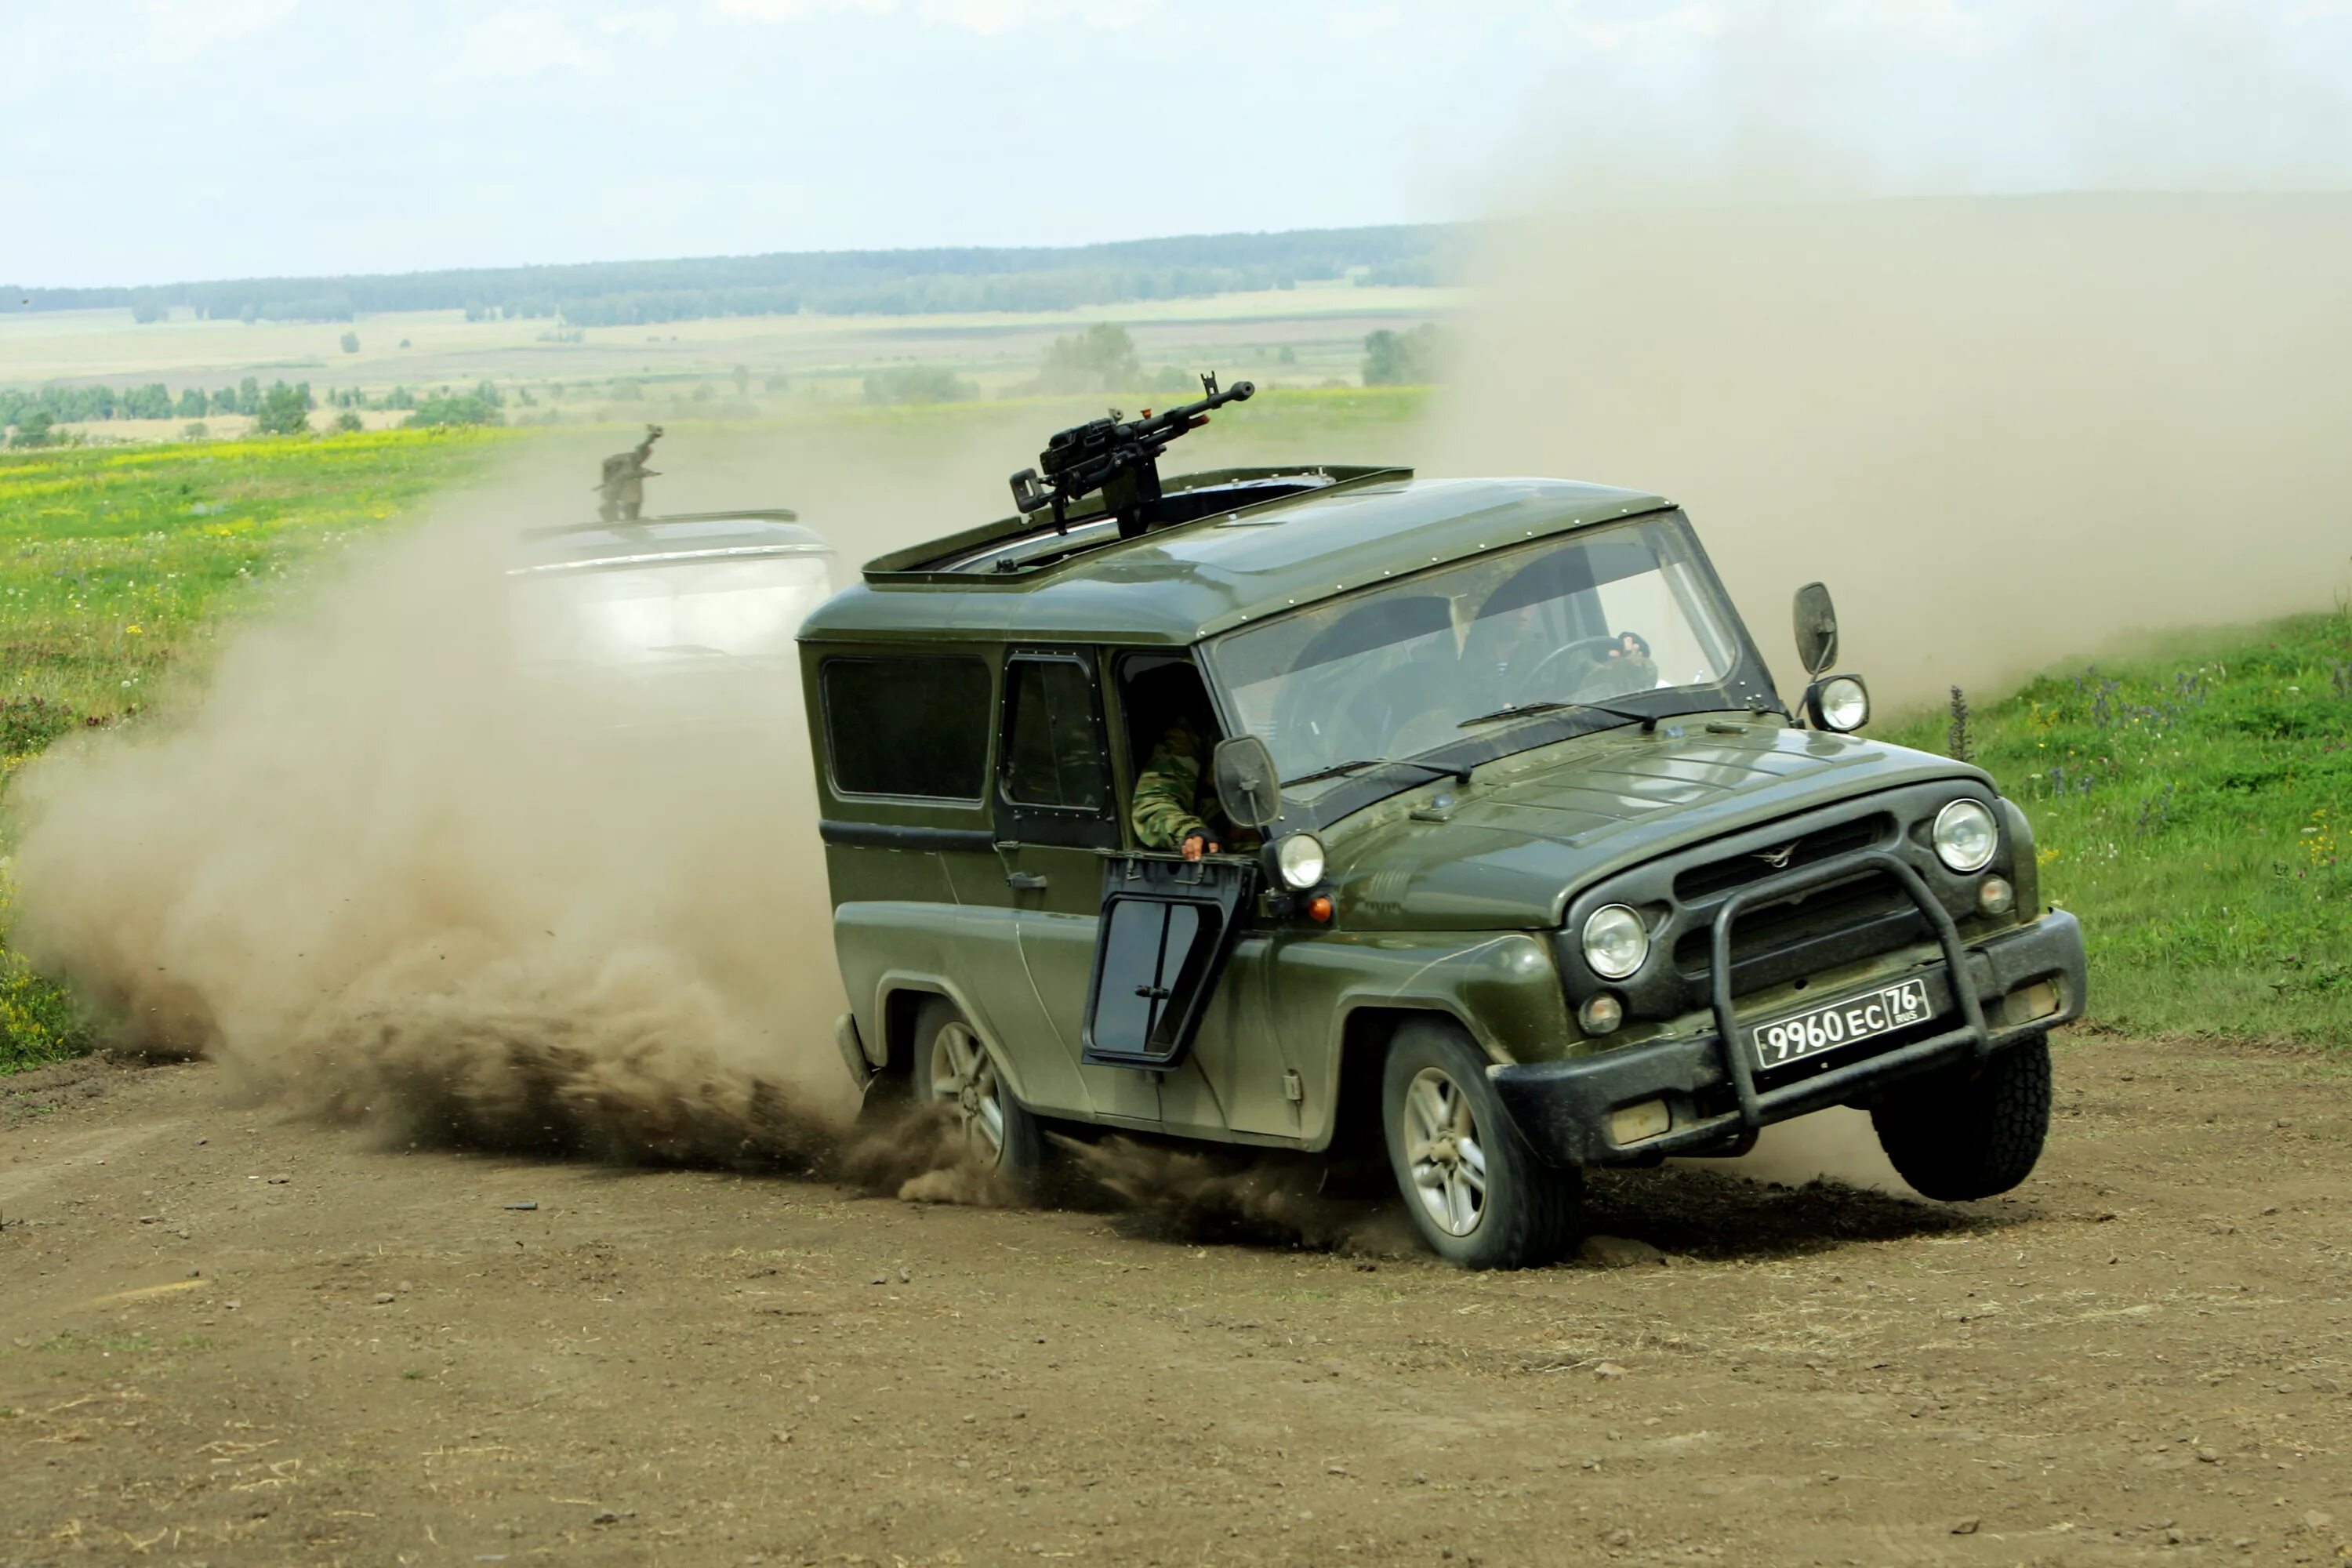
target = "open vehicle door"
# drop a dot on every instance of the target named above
(1168, 927)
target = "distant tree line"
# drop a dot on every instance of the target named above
(278, 409)
(65, 404)
(1100, 358)
(1402, 359)
(847, 282)
(481, 407)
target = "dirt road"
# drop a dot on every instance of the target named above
(386, 1358)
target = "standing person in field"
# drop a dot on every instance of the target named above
(623, 486)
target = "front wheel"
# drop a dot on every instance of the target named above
(1970, 1132)
(1477, 1194)
(953, 1066)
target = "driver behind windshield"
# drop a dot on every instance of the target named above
(1629, 666)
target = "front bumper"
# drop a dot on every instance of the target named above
(1710, 1085)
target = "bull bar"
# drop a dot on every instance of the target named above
(1562, 1107)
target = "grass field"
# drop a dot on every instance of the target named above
(118, 564)
(1300, 337)
(2190, 806)
(114, 561)
(2192, 809)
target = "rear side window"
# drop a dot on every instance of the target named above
(908, 726)
(1053, 737)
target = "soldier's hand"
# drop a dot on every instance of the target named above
(1195, 844)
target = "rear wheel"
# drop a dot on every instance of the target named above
(1478, 1194)
(953, 1066)
(1972, 1132)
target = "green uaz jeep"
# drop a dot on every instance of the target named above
(1508, 858)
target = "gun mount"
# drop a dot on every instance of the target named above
(1120, 457)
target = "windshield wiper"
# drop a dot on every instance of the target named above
(1521, 709)
(1459, 774)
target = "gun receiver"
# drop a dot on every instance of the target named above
(1120, 458)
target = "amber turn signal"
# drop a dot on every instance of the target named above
(1318, 909)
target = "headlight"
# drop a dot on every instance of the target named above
(1298, 856)
(1965, 837)
(1842, 703)
(1615, 942)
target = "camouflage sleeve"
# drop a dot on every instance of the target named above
(1165, 793)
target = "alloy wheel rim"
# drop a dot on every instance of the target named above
(1445, 1152)
(963, 1076)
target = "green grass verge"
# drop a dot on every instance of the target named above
(114, 559)
(2192, 811)
(117, 563)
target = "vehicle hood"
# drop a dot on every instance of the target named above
(1507, 851)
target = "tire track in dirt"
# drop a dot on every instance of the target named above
(2145, 1342)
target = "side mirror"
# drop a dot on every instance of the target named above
(1248, 785)
(1817, 639)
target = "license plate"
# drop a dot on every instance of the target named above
(1835, 1024)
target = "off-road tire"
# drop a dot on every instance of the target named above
(1971, 1132)
(1020, 1163)
(1530, 1209)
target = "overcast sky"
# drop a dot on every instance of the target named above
(160, 140)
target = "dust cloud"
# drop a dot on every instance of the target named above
(2006, 431)
(1222, 1196)
(381, 869)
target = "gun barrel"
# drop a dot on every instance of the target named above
(1239, 391)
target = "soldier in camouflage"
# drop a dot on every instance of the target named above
(1175, 799)
(623, 486)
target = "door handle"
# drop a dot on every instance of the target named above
(1025, 882)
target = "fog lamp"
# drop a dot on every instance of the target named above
(1601, 1014)
(2027, 1003)
(1615, 942)
(1995, 896)
(1640, 1123)
(1965, 835)
(1299, 858)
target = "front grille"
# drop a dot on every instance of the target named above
(1735, 871)
(1862, 916)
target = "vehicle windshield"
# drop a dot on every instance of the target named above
(660, 612)
(1626, 617)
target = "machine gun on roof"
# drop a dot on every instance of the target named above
(1118, 457)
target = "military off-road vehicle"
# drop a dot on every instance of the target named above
(665, 624)
(1512, 861)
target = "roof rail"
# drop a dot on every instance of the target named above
(763, 513)
(1030, 545)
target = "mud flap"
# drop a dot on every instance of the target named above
(1168, 927)
(852, 1048)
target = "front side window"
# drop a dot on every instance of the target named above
(914, 727)
(1626, 617)
(1053, 736)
